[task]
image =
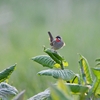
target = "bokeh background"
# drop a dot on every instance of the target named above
(23, 31)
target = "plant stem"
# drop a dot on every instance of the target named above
(62, 65)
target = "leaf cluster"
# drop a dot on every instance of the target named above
(7, 91)
(69, 86)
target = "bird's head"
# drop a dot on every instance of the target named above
(58, 39)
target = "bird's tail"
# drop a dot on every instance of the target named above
(51, 37)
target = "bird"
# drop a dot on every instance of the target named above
(56, 43)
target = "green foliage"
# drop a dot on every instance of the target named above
(76, 88)
(65, 74)
(80, 86)
(98, 62)
(41, 96)
(6, 73)
(50, 52)
(85, 70)
(55, 56)
(69, 86)
(59, 94)
(23, 32)
(20, 96)
(44, 60)
(96, 84)
(96, 71)
(7, 91)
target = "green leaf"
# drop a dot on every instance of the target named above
(65, 74)
(85, 70)
(44, 60)
(7, 91)
(76, 88)
(69, 89)
(96, 71)
(6, 73)
(61, 85)
(57, 94)
(98, 64)
(76, 79)
(20, 96)
(97, 92)
(60, 61)
(50, 53)
(94, 88)
(58, 56)
(97, 60)
(41, 96)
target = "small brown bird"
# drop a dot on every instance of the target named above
(56, 43)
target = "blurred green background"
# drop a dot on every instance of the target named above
(23, 31)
